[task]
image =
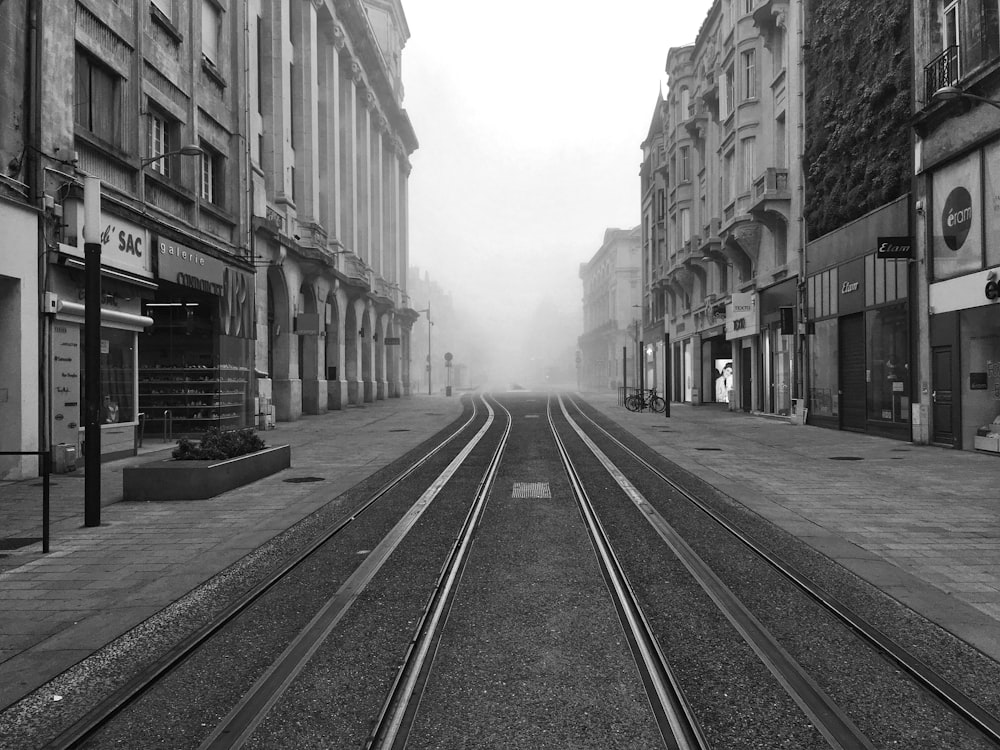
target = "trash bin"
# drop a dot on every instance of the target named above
(63, 458)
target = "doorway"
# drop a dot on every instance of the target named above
(853, 375)
(942, 404)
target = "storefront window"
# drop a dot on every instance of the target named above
(981, 378)
(823, 401)
(888, 359)
(117, 376)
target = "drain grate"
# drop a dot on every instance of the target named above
(16, 542)
(846, 458)
(299, 480)
(531, 489)
(708, 449)
(400, 429)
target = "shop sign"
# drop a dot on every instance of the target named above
(965, 292)
(741, 316)
(65, 369)
(123, 244)
(182, 265)
(894, 247)
(957, 224)
(851, 289)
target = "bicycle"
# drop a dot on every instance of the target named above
(647, 399)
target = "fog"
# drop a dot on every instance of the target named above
(530, 116)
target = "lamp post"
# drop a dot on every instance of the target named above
(637, 376)
(951, 93)
(429, 324)
(92, 350)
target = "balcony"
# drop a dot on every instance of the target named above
(943, 70)
(770, 199)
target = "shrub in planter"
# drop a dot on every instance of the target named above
(218, 445)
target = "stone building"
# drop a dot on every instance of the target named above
(611, 298)
(20, 210)
(329, 153)
(722, 194)
(956, 222)
(253, 160)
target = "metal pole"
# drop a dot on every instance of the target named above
(667, 386)
(46, 469)
(429, 365)
(92, 349)
(624, 369)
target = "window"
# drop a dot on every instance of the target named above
(212, 176)
(685, 217)
(972, 26)
(685, 103)
(749, 70)
(749, 163)
(166, 7)
(685, 164)
(163, 138)
(97, 101)
(211, 21)
(728, 179)
(730, 91)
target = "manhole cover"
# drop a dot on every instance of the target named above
(299, 480)
(531, 489)
(846, 458)
(708, 449)
(16, 542)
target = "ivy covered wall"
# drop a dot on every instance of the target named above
(858, 59)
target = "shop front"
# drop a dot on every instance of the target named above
(777, 344)
(126, 279)
(860, 343)
(964, 300)
(742, 329)
(195, 360)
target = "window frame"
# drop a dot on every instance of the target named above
(102, 119)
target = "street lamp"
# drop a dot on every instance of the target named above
(951, 93)
(638, 357)
(191, 149)
(429, 324)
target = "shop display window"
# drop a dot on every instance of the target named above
(823, 401)
(981, 378)
(889, 364)
(191, 377)
(117, 376)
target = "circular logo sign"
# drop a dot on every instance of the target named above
(956, 219)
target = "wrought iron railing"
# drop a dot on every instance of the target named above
(943, 70)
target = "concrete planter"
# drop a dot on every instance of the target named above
(198, 480)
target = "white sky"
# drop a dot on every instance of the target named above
(530, 115)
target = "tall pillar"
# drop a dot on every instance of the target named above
(336, 349)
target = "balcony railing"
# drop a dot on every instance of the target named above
(773, 180)
(943, 70)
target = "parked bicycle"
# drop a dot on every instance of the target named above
(642, 400)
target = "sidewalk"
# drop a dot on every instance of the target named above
(920, 523)
(99, 582)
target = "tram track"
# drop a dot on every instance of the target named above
(83, 731)
(967, 710)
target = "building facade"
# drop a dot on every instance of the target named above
(252, 160)
(20, 427)
(722, 196)
(611, 313)
(860, 289)
(329, 163)
(956, 49)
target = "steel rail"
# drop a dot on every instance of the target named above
(238, 725)
(89, 724)
(828, 718)
(950, 695)
(674, 717)
(392, 727)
